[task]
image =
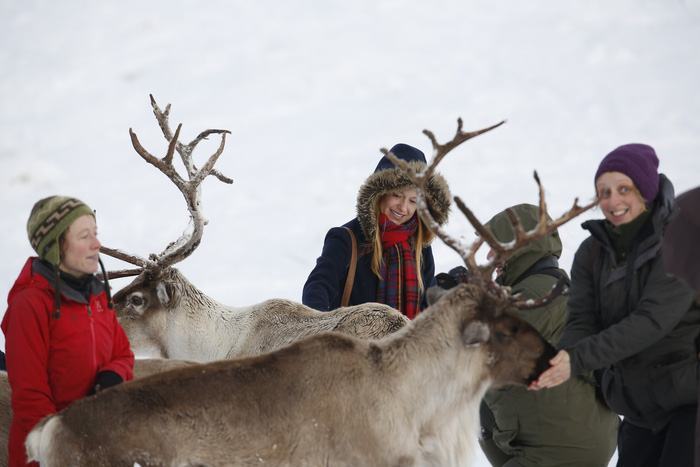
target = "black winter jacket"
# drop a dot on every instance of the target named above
(324, 287)
(634, 322)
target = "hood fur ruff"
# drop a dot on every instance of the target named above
(385, 181)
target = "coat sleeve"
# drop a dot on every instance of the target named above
(26, 328)
(663, 303)
(122, 361)
(322, 290)
(428, 272)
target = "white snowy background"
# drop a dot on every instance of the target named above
(310, 91)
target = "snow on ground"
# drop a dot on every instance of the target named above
(310, 91)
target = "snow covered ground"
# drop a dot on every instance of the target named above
(311, 90)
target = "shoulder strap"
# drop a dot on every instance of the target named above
(557, 274)
(351, 270)
(548, 266)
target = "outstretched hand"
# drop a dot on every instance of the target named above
(558, 373)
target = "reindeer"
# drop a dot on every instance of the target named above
(165, 316)
(142, 368)
(410, 398)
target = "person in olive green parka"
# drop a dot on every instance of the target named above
(563, 426)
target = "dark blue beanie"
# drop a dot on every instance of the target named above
(638, 162)
(402, 151)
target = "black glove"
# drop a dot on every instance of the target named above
(445, 281)
(460, 274)
(104, 380)
(453, 278)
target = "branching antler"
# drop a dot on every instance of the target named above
(421, 179)
(190, 189)
(482, 275)
(185, 151)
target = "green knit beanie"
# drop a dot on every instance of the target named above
(49, 219)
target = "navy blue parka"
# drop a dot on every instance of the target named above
(324, 287)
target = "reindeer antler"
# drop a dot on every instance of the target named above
(190, 189)
(421, 178)
(482, 275)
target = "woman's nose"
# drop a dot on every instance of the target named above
(614, 198)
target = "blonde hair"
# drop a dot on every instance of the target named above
(422, 237)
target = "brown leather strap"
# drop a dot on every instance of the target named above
(351, 270)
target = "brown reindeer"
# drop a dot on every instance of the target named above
(165, 316)
(408, 399)
(142, 368)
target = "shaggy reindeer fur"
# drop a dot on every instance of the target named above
(142, 368)
(168, 317)
(409, 399)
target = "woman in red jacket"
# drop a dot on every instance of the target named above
(63, 340)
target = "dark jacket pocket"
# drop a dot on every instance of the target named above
(675, 385)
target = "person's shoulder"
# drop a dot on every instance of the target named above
(338, 238)
(30, 300)
(588, 243)
(341, 232)
(588, 248)
(337, 232)
(535, 285)
(30, 285)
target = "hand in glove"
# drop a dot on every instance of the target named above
(104, 380)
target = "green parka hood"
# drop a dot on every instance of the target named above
(534, 251)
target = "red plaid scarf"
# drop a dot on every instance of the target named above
(399, 287)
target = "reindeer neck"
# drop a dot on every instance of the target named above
(205, 330)
(438, 369)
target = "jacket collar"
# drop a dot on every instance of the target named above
(48, 272)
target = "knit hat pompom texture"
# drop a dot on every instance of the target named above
(639, 162)
(49, 219)
(387, 177)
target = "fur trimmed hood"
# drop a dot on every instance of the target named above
(389, 179)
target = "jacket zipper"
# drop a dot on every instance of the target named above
(92, 337)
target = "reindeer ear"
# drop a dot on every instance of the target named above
(163, 294)
(475, 333)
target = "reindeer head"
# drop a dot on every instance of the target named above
(517, 352)
(142, 306)
(149, 292)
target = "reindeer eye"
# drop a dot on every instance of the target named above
(500, 336)
(136, 300)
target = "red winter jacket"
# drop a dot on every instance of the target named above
(53, 361)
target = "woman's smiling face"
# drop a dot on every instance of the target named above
(618, 198)
(399, 205)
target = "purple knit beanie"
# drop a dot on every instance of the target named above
(638, 162)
